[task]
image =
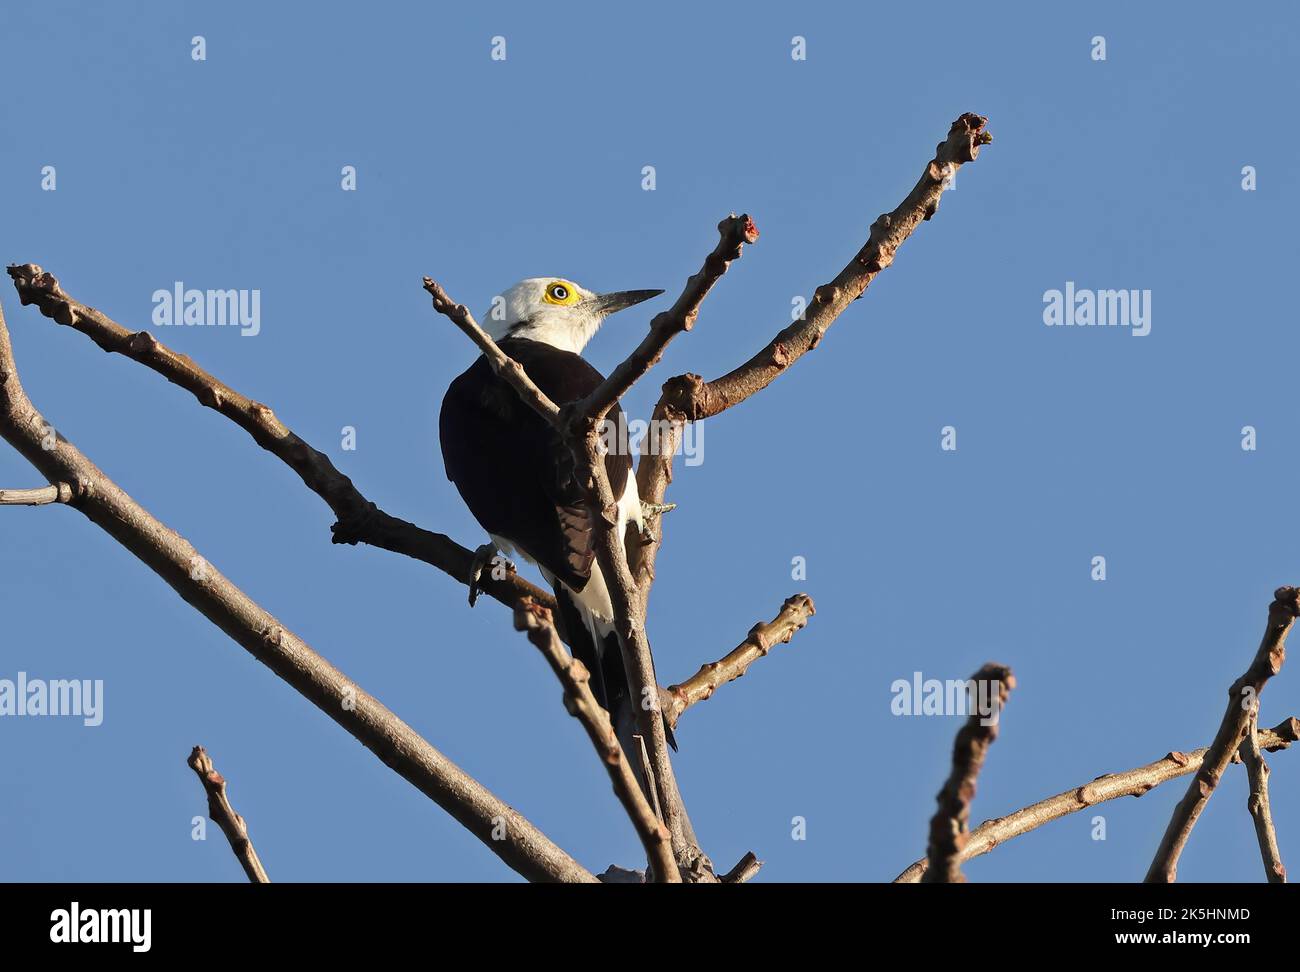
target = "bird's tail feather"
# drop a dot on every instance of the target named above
(601, 654)
(599, 651)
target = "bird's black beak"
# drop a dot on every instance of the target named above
(621, 300)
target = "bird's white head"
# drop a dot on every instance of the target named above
(555, 311)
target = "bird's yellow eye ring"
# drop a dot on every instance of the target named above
(561, 292)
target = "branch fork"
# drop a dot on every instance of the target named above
(1243, 697)
(629, 570)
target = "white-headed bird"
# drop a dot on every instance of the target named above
(516, 474)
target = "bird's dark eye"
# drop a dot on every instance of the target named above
(559, 292)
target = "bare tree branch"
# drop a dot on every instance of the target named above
(599, 497)
(503, 830)
(690, 398)
(948, 829)
(1112, 786)
(794, 614)
(582, 705)
(629, 624)
(745, 869)
(733, 233)
(42, 496)
(359, 520)
(1258, 804)
(695, 399)
(577, 423)
(225, 817)
(1242, 698)
(654, 471)
(510, 370)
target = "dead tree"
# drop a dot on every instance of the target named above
(659, 817)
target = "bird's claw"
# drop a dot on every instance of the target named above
(648, 512)
(483, 556)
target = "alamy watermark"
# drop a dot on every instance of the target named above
(690, 442)
(208, 308)
(129, 926)
(954, 696)
(1101, 308)
(57, 697)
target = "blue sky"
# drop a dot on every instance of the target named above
(1072, 442)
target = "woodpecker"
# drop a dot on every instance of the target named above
(517, 476)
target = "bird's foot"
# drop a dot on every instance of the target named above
(484, 556)
(648, 512)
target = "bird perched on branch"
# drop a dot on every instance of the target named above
(517, 475)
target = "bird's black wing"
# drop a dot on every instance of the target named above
(516, 476)
(511, 467)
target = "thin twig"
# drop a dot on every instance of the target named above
(648, 770)
(733, 233)
(498, 825)
(359, 520)
(696, 399)
(41, 496)
(989, 689)
(225, 817)
(745, 869)
(582, 705)
(1242, 698)
(583, 439)
(689, 398)
(510, 370)
(629, 571)
(638, 660)
(794, 614)
(1112, 786)
(1258, 803)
